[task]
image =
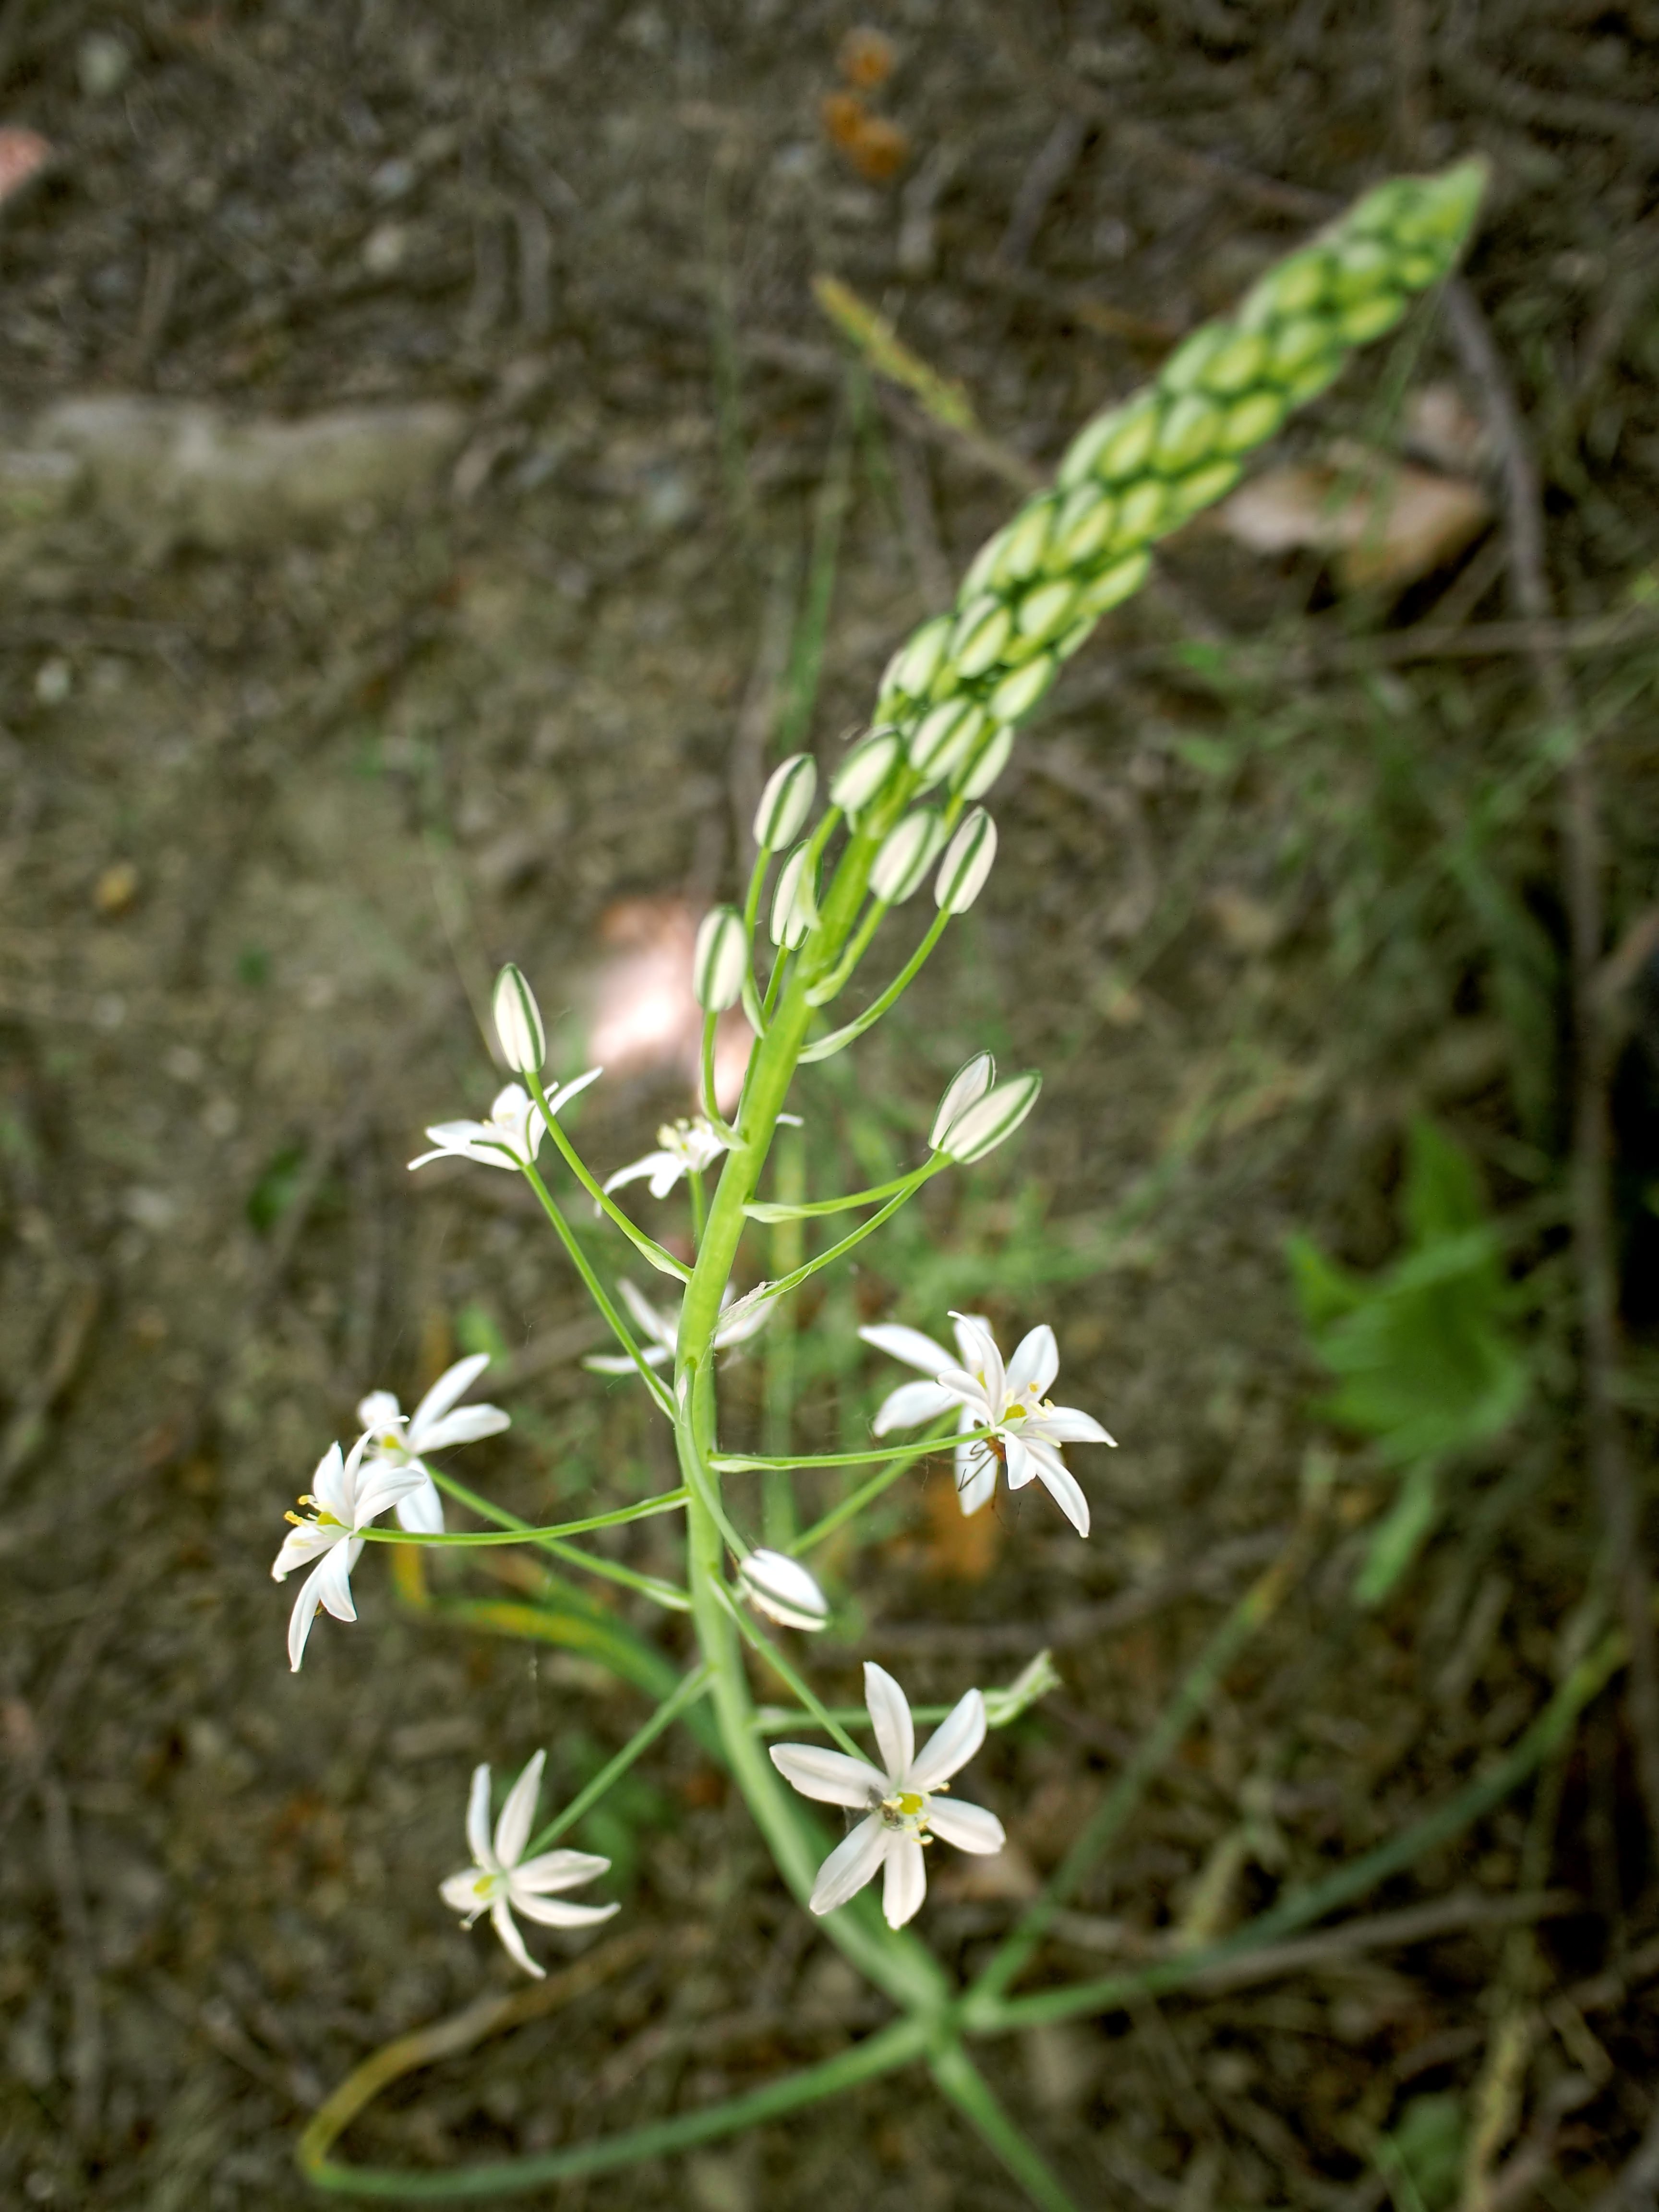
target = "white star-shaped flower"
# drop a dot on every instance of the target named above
(398, 1440)
(513, 1135)
(346, 1494)
(902, 1799)
(501, 1881)
(660, 1331)
(1027, 1429)
(685, 1148)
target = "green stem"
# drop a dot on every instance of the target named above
(710, 1105)
(664, 1504)
(968, 2091)
(838, 1040)
(596, 1291)
(648, 1247)
(742, 1463)
(893, 2046)
(815, 1209)
(699, 1190)
(757, 1641)
(840, 975)
(662, 1593)
(857, 1501)
(794, 1280)
(666, 1714)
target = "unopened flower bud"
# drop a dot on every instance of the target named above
(966, 863)
(720, 959)
(988, 766)
(794, 901)
(781, 1588)
(786, 801)
(966, 1088)
(519, 1023)
(906, 855)
(996, 1116)
(866, 769)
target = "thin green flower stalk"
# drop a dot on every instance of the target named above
(903, 813)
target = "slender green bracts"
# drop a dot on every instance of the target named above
(956, 689)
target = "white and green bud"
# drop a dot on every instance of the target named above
(780, 1587)
(519, 1023)
(966, 1088)
(1034, 1680)
(1017, 694)
(864, 773)
(992, 1120)
(907, 854)
(1045, 611)
(913, 666)
(943, 734)
(989, 764)
(720, 960)
(795, 900)
(786, 802)
(966, 864)
(981, 633)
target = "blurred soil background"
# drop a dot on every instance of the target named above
(430, 496)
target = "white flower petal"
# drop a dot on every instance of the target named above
(1062, 1486)
(662, 1329)
(421, 1511)
(618, 1363)
(829, 1776)
(911, 1404)
(1017, 1461)
(853, 1861)
(1065, 1424)
(637, 1170)
(554, 1870)
(467, 1424)
(909, 1345)
(451, 1387)
(299, 1620)
(889, 1716)
(502, 1920)
(906, 1885)
(301, 1545)
(478, 1818)
(951, 1745)
(566, 1092)
(459, 1892)
(553, 1912)
(331, 1579)
(979, 1352)
(379, 1411)
(969, 1827)
(513, 1828)
(328, 1485)
(384, 1482)
(1036, 1363)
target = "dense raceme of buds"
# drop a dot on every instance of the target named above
(720, 959)
(786, 802)
(1140, 469)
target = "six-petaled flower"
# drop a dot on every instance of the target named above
(513, 1135)
(902, 1799)
(346, 1494)
(502, 1881)
(1026, 1428)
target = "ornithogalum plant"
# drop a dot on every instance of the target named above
(904, 813)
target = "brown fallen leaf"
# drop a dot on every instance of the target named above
(1384, 523)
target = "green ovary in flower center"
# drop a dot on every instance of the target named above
(907, 1810)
